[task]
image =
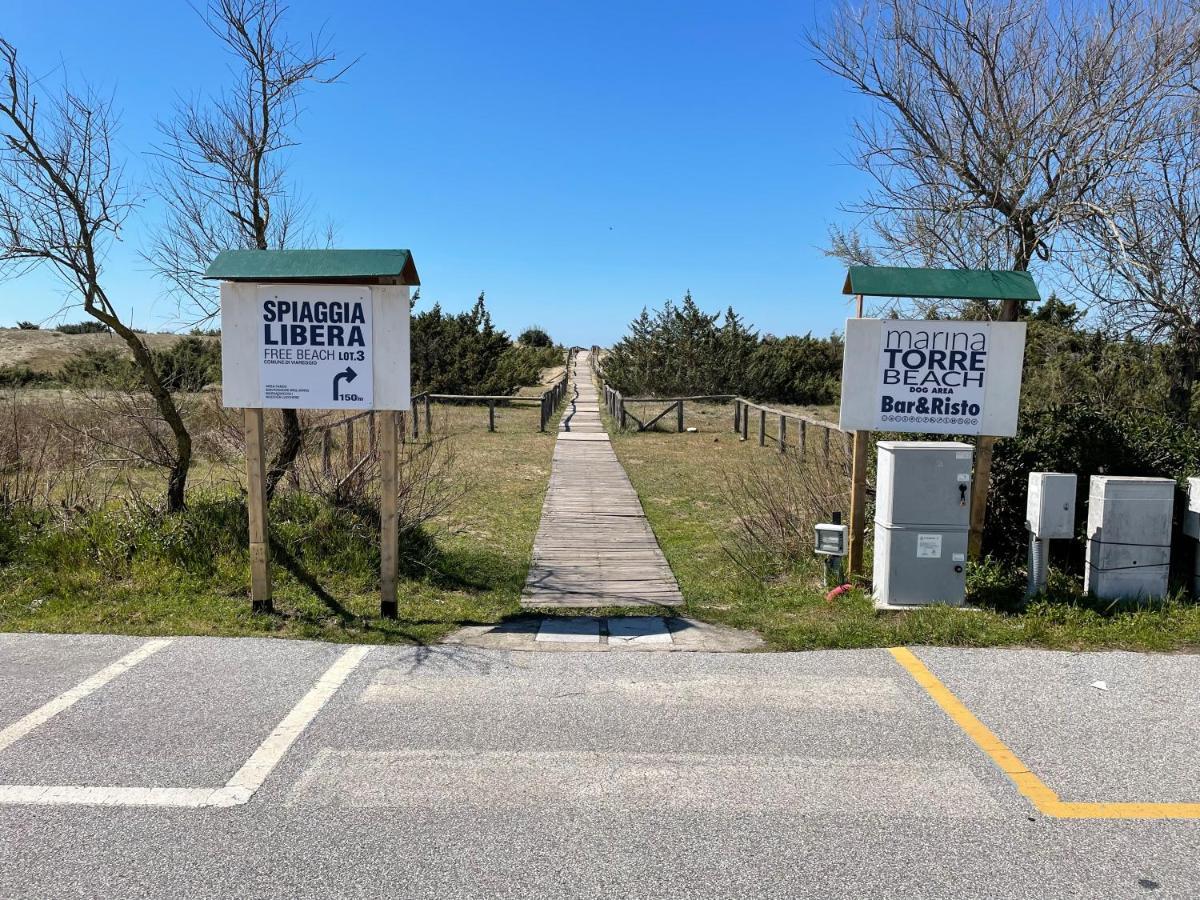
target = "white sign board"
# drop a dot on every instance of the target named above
(932, 377)
(315, 346)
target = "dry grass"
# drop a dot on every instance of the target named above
(46, 351)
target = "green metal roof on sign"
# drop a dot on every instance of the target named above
(328, 266)
(956, 284)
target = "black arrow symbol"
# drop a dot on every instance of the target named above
(349, 375)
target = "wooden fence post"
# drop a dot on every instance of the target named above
(745, 422)
(389, 533)
(428, 421)
(858, 502)
(826, 445)
(491, 415)
(326, 452)
(372, 433)
(803, 436)
(256, 502)
(762, 428)
(416, 424)
(349, 448)
(737, 415)
(679, 417)
(622, 413)
(782, 433)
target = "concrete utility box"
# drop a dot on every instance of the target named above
(1050, 507)
(1129, 537)
(922, 513)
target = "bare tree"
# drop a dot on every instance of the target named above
(223, 164)
(1143, 259)
(998, 124)
(61, 204)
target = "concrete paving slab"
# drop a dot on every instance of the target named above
(569, 630)
(638, 630)
(687, 636)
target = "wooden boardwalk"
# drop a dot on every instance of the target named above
(594, 546)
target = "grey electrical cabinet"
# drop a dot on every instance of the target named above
(922, 513)
(1129, 537)
(1050, 505)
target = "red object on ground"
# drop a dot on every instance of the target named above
(838, 591)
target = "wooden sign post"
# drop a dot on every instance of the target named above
(858, 492)
(316, 329)
(256, 502)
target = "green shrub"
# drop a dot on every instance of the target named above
(682, 350)
(189, 364)
(23, 376)
(521, 365)
(467, 354)
(85, 327)
(99, 368)
(535, 337)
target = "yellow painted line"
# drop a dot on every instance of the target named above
(1032, 787)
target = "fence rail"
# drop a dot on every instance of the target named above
(421, 409)
(793, 423)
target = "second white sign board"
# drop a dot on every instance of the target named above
(932, 377)
(316, 347)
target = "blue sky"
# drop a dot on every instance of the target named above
(575, 160)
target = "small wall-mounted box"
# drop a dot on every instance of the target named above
(1050, 507)
(831, 539)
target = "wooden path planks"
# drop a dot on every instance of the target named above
(594, 546)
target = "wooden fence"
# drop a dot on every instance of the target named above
(422, 411)
(799, 426)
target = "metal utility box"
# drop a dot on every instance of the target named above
(1050, 506)
(1129, 537)
(924, 483)
(922, 512)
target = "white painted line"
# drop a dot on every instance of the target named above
(250, 777)
(86, 795)
(238, 790)
(48, 711)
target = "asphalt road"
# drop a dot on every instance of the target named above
(462, 772)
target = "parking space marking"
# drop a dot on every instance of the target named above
(235, 792)
(46, 712)
(1032, 787)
